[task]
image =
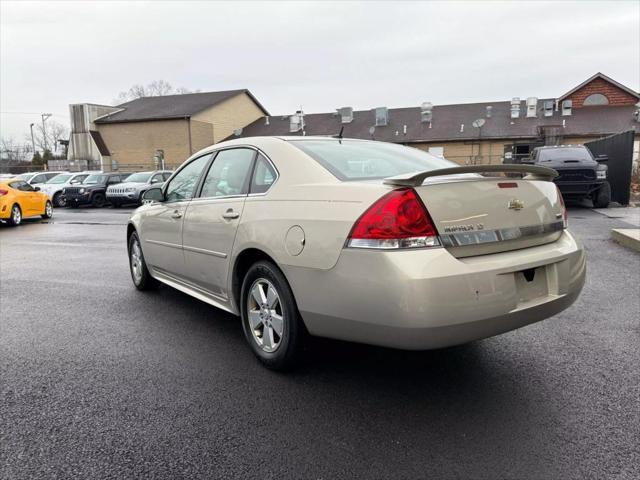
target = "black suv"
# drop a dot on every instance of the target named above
(92, 191)
(581, 175)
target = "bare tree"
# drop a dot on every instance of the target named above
(54, 131)
(12, 151)
(157, 88)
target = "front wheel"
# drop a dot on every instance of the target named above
(16, 215)
(59, 200)
(270, 317)
(140, 275)
(602, 196)
(48, 210)
(98, 200)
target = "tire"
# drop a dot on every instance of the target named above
(48, 210)
(602, 196)
(98, 200)
(58, 200)
(276, 343)
(140, 275)
(16, 215)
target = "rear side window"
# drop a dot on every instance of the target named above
(41, 178)
(22, 186)
(229, 173)
(263, 176)
(361, 160)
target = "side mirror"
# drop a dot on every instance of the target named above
(153, 195)
(36, 189)
(602, 158)
(155, 180)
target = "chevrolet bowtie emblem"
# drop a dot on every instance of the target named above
(515, 204)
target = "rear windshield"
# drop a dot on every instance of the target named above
(59, 179)
(142, 177)
(358, 160)
(548, 154)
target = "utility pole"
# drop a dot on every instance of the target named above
(44, 131)
(33, 142)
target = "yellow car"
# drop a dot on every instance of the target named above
(18, 200)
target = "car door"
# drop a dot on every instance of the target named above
(212, 219)
(29, 200)
(161, 223)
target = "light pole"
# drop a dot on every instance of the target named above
(44, 131)
(33, 142)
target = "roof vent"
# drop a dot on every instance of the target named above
(237, 132)
(489, 111)
(382, 116)
(566, 107)
(548, 108)
(346, 114)
(426, 112)
(532, 107)
(515, 107)
(296, 122)
(266, 120)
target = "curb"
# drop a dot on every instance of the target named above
(628, 237)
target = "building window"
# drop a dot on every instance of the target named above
(596, 99)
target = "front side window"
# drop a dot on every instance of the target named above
(95, 180)
(113, 180)
(183, 185)
(228, 173)
(39, 178)
(166, 176)
(362, 160)
(142, 177)
(157, 178)
(263, 176)
(78, 179)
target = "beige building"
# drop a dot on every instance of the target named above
(152, 132)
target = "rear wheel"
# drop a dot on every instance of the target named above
(270, 317)
(58, 200)
(16, 215)
(98, 200)
(140, 275)
(602, 196)
(48, 210)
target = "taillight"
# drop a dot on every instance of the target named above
(565, 215)
(397, 220)
(3, 192)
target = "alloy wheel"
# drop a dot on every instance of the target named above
(48, 210)
(265, 314)
(136, 261)
(16, 215)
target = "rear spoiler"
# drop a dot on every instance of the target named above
(535, 172)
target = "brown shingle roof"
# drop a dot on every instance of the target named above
(447, 121)
(171, 106)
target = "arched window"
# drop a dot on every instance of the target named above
(596, 99)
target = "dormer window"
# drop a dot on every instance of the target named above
(595, 99)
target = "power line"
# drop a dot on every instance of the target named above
(31, 113)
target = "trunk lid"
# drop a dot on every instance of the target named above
(478, 215)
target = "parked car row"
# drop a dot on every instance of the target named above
(36, 193)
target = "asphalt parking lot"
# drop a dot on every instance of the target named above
(98, 380)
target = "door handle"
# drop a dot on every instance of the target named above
(230, 214)
(176, 214)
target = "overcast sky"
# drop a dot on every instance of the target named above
(320, 55)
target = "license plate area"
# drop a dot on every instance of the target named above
(531, 284)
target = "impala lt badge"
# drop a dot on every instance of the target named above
(515, 204)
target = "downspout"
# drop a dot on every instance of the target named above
(188, 119)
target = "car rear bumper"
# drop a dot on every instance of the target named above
(422, 299)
